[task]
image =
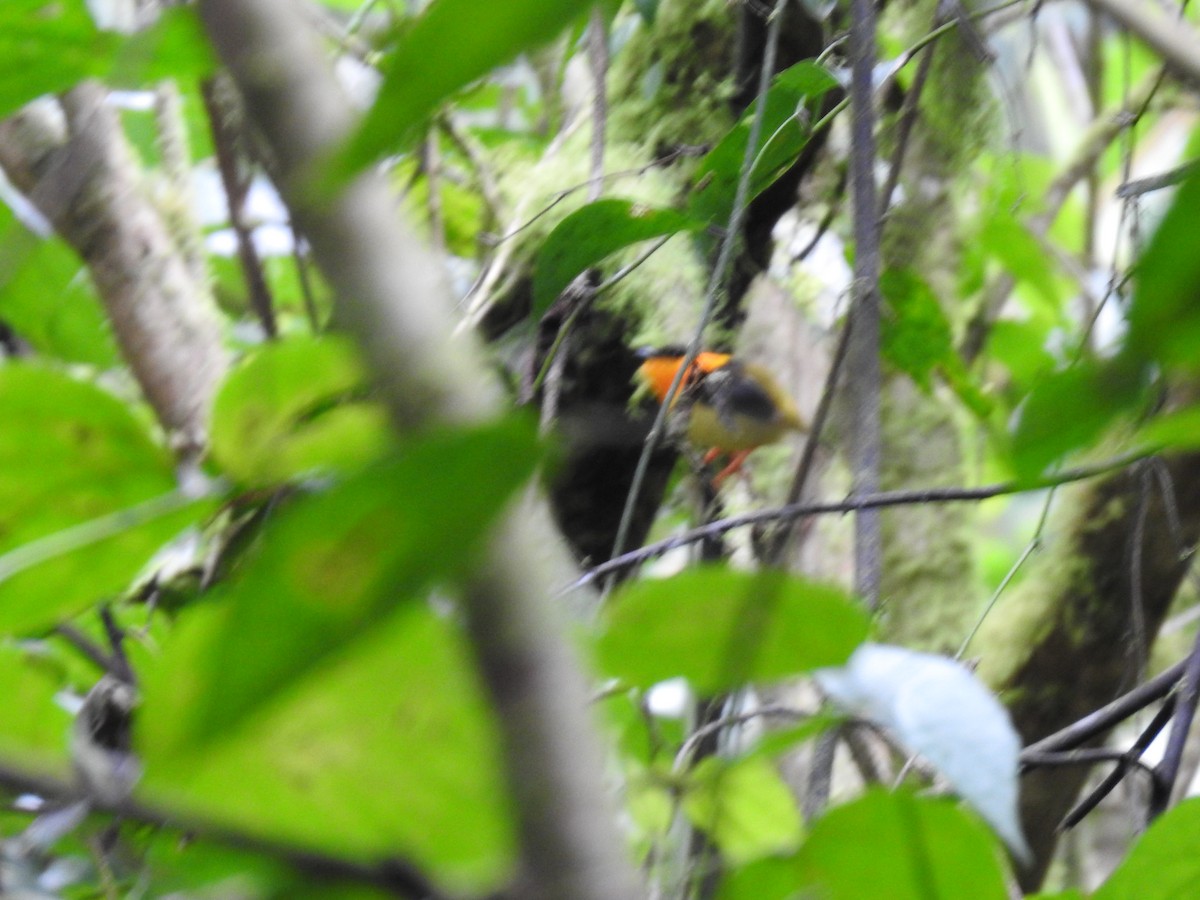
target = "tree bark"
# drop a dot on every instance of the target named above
(1076, 632)
(77, 168)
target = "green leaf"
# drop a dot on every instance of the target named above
(1163, 864)
(588, 235)
(295, 407)
(174, 46)
(47, 47)
(744, 807)
(386, 748)
(1026, 260)
(1021, 348)
(184, 868)
(36, 728)
(1164, 323)
(1179, 429)
(48, 300)
(86, 497)
(720, 628)
(332, 564)
(1069, 410)
(900, 847)
(786, 128)
(772, 878)
(916, 336)
(451, 44)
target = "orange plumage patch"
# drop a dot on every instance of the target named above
(658, 372)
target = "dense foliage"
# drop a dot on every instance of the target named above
(283, 603)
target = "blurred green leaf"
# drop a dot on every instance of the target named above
(468, 38)
(36, 728)
(47, 47)
(174, 46)
(294, 407)
(1021, 348)
(647, 9)
(917, 338)
(1069, 410)
(772, 878)
(1026, 260)
(332, 564)
(461, 206)
(744, 807)
(386, 747)
(591, 233)
(205, 869)
(719, 628)
(1179, 429)
(86, 497)
(1163, 864)
(786, 128)
(48, 299)
(1164, 318)
(902, 847)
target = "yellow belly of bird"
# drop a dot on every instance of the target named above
(734, 431)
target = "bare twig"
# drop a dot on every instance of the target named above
(908, 118)
(1181, 725)
(851, 504)
(1109, 715)
(1156, 182)
(1102, 790)
(865, 385)
(777, 544)
(1174, 40)
(717, 280)
(227, 134)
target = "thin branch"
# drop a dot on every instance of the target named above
(851, 504)
(863, 354)
(1181, 725)
(715, 726)
(717, 280)
(777, 544)
(1085, 756)
(1117, 775)
(227, 134)
(1153, 183)
(1174, 40)
(908, 118)
(1117, 711)
(86, 646)
(431, 165)
(1032, 546)
(86, 534)
(598, 56)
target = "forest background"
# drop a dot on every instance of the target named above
(339, 556)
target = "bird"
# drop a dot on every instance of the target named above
(724, 405)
